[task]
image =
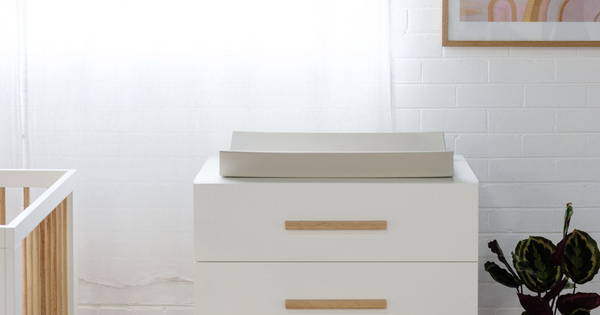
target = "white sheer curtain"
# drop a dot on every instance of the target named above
(10, 152)
(137, 93)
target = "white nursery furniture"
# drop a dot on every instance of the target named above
(38, 269)
(266, 246)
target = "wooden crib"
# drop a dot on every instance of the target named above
(38, 265)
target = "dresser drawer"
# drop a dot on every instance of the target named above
(422, 221)
(402, 288)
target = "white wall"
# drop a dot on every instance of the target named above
(527, 119)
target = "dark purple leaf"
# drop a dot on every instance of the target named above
(534, 305)
(495, 247)
(568, 302)
(501, 276)
(555, 291)
(558, 257)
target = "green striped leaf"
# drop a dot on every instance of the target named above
(536, 268)
(582, 257)
(568, 215)
(579, 311)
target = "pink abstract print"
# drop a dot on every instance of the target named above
(530, 10)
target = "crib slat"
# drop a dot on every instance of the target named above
(29, 282)
(37, 299)
(24, 274)
(25, 197)
(48, 254)
(2, 206)
(44, 274)
(65, 277)
(28, 262)
(59, 274)
(53, 289)
(24, 256)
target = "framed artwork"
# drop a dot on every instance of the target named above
(558, 23)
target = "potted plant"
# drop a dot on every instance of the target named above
(546, 270)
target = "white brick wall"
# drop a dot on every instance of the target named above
(527, 120)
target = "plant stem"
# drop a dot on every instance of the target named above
(574, 285)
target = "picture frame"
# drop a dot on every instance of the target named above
(480, 23)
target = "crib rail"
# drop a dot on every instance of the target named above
(37, 249)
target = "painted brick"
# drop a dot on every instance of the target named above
(399, 20)
(583, 219)
(495, 294)
(101, 144)
(499, 195)
(425, 96)
(408, 120)
(593, 99)
(555, 96)
(552, 195)
(522, 71)
(486, 311)
(543, 51)
(588, 51)
(103, 119)
(521, 121)
(56, 144)
(87, 310)
(416, 45)
(450, 142)
(585, 120)
(65, 119)
(479, 146)
(476, 52)
(180, 311)
(593, 145)
(490, 96)
(454, 71)
(484, 225)
(415, 3)
(594, 191)
(97, 195)
(522, 220)
(578, 170)
(522, 170)
(155, 145)
(584, 70)
(480, 168)
(425, 20)
(166, 293)
(139, 310)
(552, 145)
(454, 120)
(163, 120)
(407, 71)
(508, 311)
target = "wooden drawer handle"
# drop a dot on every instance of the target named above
(334, 304)
(335, 225)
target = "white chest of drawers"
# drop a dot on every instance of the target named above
(406, 245)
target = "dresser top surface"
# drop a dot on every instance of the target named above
(209, 174)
